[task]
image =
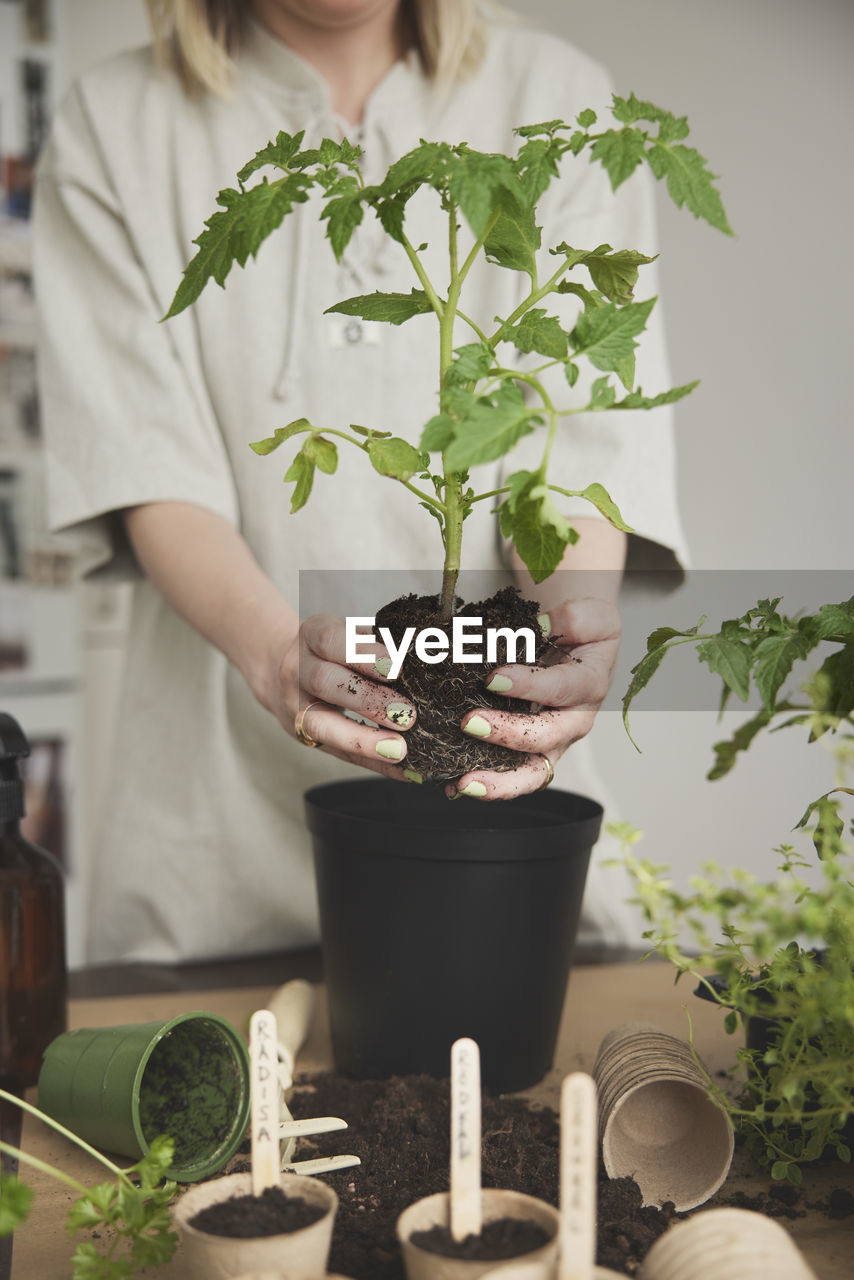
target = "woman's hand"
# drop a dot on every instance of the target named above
(315, 680)
(570, 687)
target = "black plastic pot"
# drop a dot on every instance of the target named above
(443, 919)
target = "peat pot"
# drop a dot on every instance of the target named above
(443, 919)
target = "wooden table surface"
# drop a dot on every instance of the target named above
(599, 998)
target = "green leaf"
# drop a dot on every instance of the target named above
(630, 110)
(730, 659)
(395, 457)
(426, 163)
(727, 752)
(536, 165)
(832, 686)
(538, 332)
(613, 272)
(280, 435)
(323, 453)
(571, 372)
(602, 395)
(237, 231)
(343, 215)
(689, 182)
(833, 619)
(15, 1200)
(731, 1022)
(279, 153)
(301, 471)
(774, 659)
(515, 238)
(586, 118)
(538, 531)
(533, 130)
(606, 335)
(477, 184)
(642, 673)
(657, 646)
(619, 151)
(637, 400)
(778, 1170)
(369, 432)
(491, 428)
(438, 433)
(393, 308)
(88, 1264)
(602, 500)
(473, 362)
(794, 1174)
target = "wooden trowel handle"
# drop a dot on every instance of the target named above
(293, 1006)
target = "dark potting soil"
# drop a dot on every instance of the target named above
(190, 1090)
(400, 1130)
(248, 1217)
(443, 693)
(499, 1240)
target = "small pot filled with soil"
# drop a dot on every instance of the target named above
(226, 1231)
(514, 1226)
(121, 1087)
(441, 919)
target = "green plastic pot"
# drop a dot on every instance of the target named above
(121, 1087)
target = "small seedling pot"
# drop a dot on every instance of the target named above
(297, 1255)
(446, 919)
(657, 1122)
(121, 1087)
(434, 1211)
(725, 1244)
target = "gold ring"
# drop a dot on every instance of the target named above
(550, 773)
(299, 729)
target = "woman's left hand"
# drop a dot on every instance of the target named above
(570, 687)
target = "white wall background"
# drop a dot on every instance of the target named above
(767, 446)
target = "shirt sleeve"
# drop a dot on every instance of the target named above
(125, 420)
(630, 452)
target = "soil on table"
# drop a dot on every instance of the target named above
(400, 1130)
(499, 1240)
(248, 1217)
(443, 692)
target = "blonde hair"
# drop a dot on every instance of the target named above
(200, 38)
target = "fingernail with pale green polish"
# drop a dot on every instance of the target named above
(500, 684)
(400, 713)
(478, 727)
(545, 623)
(473, 789)
(383, 666)
(411, 776)
(390, 748)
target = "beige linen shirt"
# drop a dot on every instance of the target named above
(203, 850)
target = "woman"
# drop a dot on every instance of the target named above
(203, 850)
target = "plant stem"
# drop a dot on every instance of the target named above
(66, 1133)
(453, 494)
(33, 1161)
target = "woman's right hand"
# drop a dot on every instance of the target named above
(314, 679)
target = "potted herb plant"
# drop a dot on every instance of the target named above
(777, 957)
(402, 852)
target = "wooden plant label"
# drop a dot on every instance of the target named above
(578, 1150)
(465, 1140)
(264, 1121)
